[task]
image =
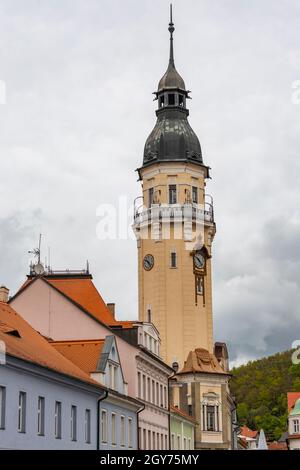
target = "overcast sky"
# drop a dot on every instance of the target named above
(79, 76)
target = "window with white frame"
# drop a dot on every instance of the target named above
(210, 413)
(41, 416)
(122, 440)
(113, 429)
(73, 423)
(87, 426)
(112, 375)
(178, 442)
(129, 432)
(2, 406)
(148, 389)
(104, 426)
(22, 412)
(172, 441)
(184, 443)
(296, 426)
(144, 388)
(189, 445)
(139, 385)
(57, 420)
(149, 440)
(153, 391)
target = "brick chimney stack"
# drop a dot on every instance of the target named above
(4, 294)
(112, 308)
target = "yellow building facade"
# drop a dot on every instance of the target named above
(174, 226)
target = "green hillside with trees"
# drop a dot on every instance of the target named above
(261, 387)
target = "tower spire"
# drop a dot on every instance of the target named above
(171, 30)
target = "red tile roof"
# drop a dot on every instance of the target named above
(292, 397)
(85, 354)
(247, 432)
(277, 445)
(182, 413)
(32, 347)
(81, 291)
(84, 293)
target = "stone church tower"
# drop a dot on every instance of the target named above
(174, 225)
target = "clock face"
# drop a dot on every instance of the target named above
(199, 261)
(148, 262)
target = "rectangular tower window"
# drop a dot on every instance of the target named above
(2, 406)
(181, 100)
(195, 194)
(73, 423)
(173, 259)
(88, 426)
(57, 420)
(22, 412)
(41, 416)
(172, 194)
(151, 196)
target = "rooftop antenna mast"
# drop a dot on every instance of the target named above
(37, 268)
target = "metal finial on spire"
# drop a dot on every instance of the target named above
(171, 30)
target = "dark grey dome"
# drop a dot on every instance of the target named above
(171, 79)
(172, 139)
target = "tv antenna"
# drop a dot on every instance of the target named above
(37, 268)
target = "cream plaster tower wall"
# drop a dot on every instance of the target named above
(175, 273)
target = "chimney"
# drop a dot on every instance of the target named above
(4, 294)
(111, 307)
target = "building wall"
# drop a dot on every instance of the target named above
(56, 317)
(202, 386)
(182, 429)
(16, 380)
(170, 292)
(154, 418)
(119, 410)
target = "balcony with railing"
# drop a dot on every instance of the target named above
(173, 212)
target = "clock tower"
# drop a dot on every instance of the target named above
(174, 225)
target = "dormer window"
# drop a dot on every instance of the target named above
(112, 376)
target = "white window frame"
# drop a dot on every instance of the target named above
(104, 426)
(57, 420)
(130, 433)
(114, 429)
(87, 426)
(2, 406)
(41, 416)
(122, 431)
(296, 426)
(22, 412)
(73, 423)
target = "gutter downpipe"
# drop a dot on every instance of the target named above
(105, 395)
(169, 408)
(137, 425)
